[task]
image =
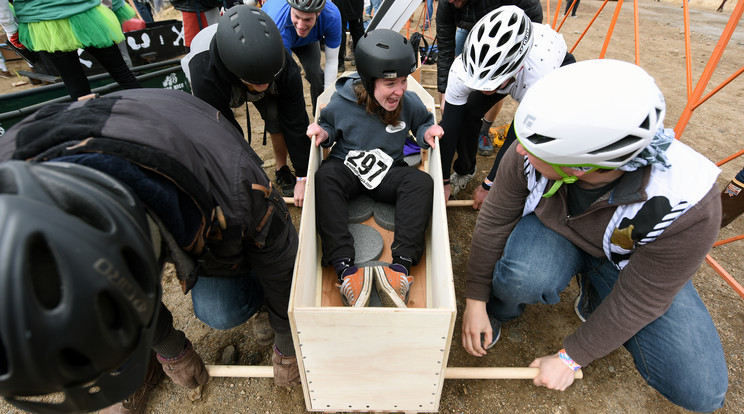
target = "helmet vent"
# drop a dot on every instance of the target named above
(8, 183)
(628, 141)
(139, 269)
(646, 124)
(44, 273)
(75, 363)
(538, 139)
(77, 205)
(3, 358)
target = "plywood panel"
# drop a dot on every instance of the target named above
(373, 359)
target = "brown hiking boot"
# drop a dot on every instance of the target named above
(135, 403)
(286, 370)
(187, 369)
(732, 202)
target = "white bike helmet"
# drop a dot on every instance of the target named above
(596, 113)
(496, 48)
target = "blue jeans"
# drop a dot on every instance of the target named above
(429, 10)
(224, 303)
(679, 354)
(460, 36)
(373, 6)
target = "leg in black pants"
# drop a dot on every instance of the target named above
(72, 73)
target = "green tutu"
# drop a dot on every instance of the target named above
(98, 27)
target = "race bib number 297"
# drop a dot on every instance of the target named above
(369, 165)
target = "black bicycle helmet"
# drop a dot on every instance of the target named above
(309, 6)
(383, 53)
(250, 45)
(80, 287)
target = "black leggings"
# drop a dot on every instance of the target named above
(70, 69)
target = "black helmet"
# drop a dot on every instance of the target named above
(309, 6)
(383, 53)
(80, 287)
(250, 45)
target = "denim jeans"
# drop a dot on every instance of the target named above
(679, 354)
(460, 36)
(224, 303)
(309, 56)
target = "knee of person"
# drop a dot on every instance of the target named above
(703, 395)
(219, 320)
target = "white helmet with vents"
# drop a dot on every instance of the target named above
(595, 113)
(496, 48)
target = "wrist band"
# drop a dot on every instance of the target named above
(567, 360)
(487, 182)
(301, 179)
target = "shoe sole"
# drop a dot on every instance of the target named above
(366, 292)
(388, 296)
(485, 153)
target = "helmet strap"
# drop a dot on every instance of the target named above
(568, 179)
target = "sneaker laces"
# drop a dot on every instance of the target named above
(347, 289)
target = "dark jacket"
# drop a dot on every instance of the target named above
(213, 83)
(194, 6)
(240, 224)
(450, 18)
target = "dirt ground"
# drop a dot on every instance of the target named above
(610, 385)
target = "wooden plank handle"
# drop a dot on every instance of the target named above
(495, 373)
(264, 371)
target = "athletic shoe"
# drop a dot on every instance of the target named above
(357, 287)
(392, 286)
(587, 299)
(496, 334)
(286, 181)
(485, 144)
(459, 182)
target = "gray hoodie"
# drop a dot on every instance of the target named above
(350, 127)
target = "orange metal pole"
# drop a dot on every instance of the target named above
(587, 26)
(719, 87)
(557, 11)
(732, 239)
(710, 66)
(729, 158)
(637, 37)
(688, 53)
(725, 275)
(611, 29)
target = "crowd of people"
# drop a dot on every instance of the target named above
(98, 194)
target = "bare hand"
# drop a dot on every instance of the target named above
(432, 133)
(474, 323)
(447, 191)
(299, 193)
(315, 130)
(479, 195)
(554, 374)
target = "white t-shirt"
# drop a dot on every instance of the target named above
(547, 53)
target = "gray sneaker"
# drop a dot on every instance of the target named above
(496, 328)
(587, 299)
(459, 182)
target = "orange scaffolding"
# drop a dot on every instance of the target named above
(694, 96)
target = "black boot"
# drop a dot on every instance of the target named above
(732, 202)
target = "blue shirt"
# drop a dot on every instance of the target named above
(327, 25)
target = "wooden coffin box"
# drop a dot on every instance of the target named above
(374, 358)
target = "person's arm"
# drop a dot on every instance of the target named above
(446, 27)
(493, 226)
(203, 86)
(649, 282)
(293, 115)
(330, 73)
